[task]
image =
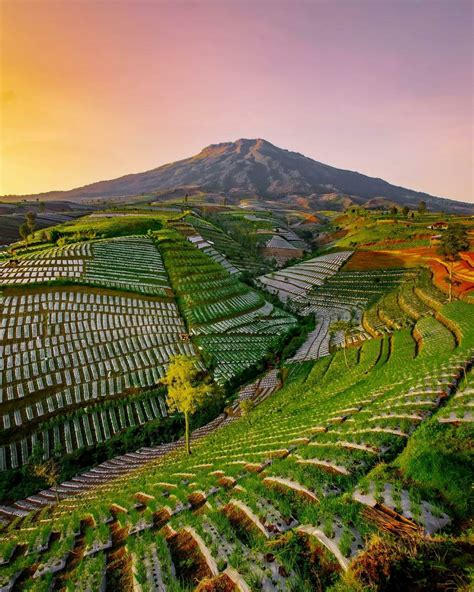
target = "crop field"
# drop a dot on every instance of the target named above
(351, 290)
(374, 231)
(112, 224)
(326, 461)
(317, 287)
(65, 351)
(297, 281)
(232, 324)
(93, 263)
(324, 457)
(206, 246)
(237, 255)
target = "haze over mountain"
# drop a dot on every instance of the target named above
(257, 168)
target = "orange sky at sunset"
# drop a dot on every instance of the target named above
(93, 90)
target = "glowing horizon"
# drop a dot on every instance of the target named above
(94, 90)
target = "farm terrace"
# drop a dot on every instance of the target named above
(63, 349)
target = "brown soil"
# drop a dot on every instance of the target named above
(239, 519)
(220, 584)
(161, 517)
(187, 558)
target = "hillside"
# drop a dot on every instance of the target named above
(332, 450)
(257, 168)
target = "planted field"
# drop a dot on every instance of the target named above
(128, 263)
(206, 246)
(231, 323)
(318, 287)
(294, 283)
(321, 466)
(64, 350)
(235, 253)
(112, 224)
(414, 298)
(351, 290)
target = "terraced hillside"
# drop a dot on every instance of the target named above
(237, 255)
(94, 263)
(401, 307)
(321, 287)
(231, 324)
(87, 330)
(295, 283)
(73, 363)
(206, 246)
(339, 469)
(300, 495)
(80, 365)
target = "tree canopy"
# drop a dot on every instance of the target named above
(186, 392)
(452, 242)
(422, 207)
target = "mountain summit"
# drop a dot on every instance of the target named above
(257, 168)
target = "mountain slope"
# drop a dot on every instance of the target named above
(261, 169)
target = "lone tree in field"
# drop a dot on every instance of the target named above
(422, 207)
(30, 220)
(345, 327)
(28, 225)
(24, 231)
(186, 392)
(49, 471)
(453, 241)
(246, 407)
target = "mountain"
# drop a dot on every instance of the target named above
(256, 168)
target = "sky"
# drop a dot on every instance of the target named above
(93, 90)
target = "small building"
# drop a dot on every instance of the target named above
(439, 226)
(281, 250)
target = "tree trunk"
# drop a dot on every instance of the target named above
(345, 353)
(451, 281)
(186, 436)
(56, 492)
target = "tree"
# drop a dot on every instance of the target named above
(405, 210)
(186, 393)
(53, 235)
(345, 327)
(394, 210)
(453, 242)
(49, 471)
(24, 231)
(30, 220)
(422, 207)
(246, 407)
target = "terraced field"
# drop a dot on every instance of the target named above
(236, 254)
(94, 263)
(326, 463)
(317, 287)
(81, 365)
(295, 283)
(73, 362)
(342, 469)
(231, 324)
